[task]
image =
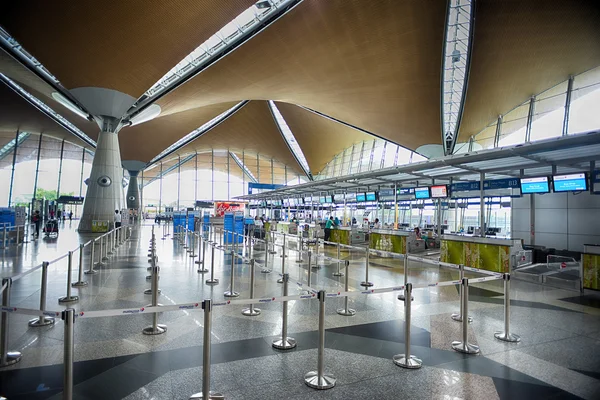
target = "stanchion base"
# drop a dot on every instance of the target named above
(280, 280)
(284, 344)
(510, 337)
(467, 348)
(149, 330)
(90, 272)
(79, 284)
(312, 379)
(316, 267)
(338, 274)
(12, 357)
(149, 291)
(99, 264)
(251, 312)
(193, 256)
(41, 321)
(68, 299)
(348, 313)
(366, 284)
(403, 297)
(212, 281)
(265, 271)
(458, 318)
(104, 258)
(211, 395)
(229, 293)
(199, 262)
(202, 271)
(411, 362)
(300, 261)
(272, 252)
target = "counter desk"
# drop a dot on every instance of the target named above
(492, 254)
(591, 266)
(391, 240)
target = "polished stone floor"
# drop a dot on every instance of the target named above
(558, 357)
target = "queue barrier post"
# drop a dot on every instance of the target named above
(366, 282)
(7, 357)
(284, 342)
(505, 335)
(69, 298)
(319, 379)
(231, 292)
(68, 316)
(459, 316)
(202, 269)
(272, 234)
(110, 247)
(280, 280)
(192, 248)
(103, 246)
(91, 270)
(407, 360)
(338, 272)
(300, 247)
(265, 269)
(155, 328)
(43, 320)
(309, 269)
(402, 296)
(316, 265)
(153, 278)
(80, 282)
(206, 392)
(251, 311)
(201, 242)
(465, 346)
(212, 280)
(348, 312)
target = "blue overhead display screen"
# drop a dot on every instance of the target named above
(569, 183)
(421, 193)
(360, 197)
(370, 196)
(534, 185)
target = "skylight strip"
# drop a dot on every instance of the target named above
(243, 167)
(455, 69)
(7, 148)
(49, 111)
(230, 35)
(199, 131)
(290, 139)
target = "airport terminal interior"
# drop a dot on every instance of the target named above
(292, 199)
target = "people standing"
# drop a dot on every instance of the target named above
(37, 220)
(117, 219)
(328, 226)
(70, 216)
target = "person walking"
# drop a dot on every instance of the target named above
(117, 219)
(70, 216)
(37, 220)
(328, 226)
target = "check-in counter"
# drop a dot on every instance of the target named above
(492, 254)
(388, 240)
(591, 266)
(341, 235)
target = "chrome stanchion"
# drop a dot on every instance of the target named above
(80, 282)
(280, 280)
(110, 247)
(319, 379)
(103, 247)
(455, 316)
(300, 248)
(68, 298)
(212, 280)
(308, 283)
(153, 280)
(201, 254)
(231, 292)
(265, 269)
(272, 251)
(338, 272)
(284, 342)
(201, 258)
(316, 266)
(155, 328)
(206, 392)
(43, 320)
(186, 234)
(68, 316)
(192, 248)
(402, 296)
(7, 357)
(91, 270)
(407, 360)
(251, 311)
(465, 346)
(366, 282)
(346, 311)
(506, 336)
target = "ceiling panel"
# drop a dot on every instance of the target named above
(522, 48)
(375, 65)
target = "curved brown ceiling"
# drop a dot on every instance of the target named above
(522, 48)
(374, 64)
(320, 139)
(251, 128)
(121, 45)
(145, 141)
(18, 114)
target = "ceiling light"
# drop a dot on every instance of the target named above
(147, 114)
(263, 4)
(68, 104)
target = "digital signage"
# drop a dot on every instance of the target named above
(370, 196)
(360, 197)
(534, 185)
(439, 191)
(569, 183)
(422, 193)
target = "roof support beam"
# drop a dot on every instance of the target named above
(164, 172)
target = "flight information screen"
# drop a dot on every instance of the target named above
(534, 185)
(422, 193)
(569, 183)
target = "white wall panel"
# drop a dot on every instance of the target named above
(551, 200)
(576, 242)
(554, 240)
(584, 221)
(551, 220)
(520, 220)
(584, 200)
